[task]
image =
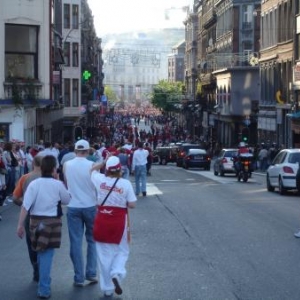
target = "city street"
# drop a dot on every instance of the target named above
(195, 236)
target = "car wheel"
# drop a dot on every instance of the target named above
(164, 161)
(282, 190)
(269, 187)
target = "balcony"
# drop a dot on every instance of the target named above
(209, 18)
(22, 92)
(247, 25)
(217, 61)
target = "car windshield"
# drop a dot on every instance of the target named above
(187, 147)
(197, 151)
(230, 153)
(294, 158)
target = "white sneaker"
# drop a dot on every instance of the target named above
(297, 234)
(8, 199)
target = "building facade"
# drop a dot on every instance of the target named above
(276, 73)
(25, 73)
(176, 63)
(227, 59)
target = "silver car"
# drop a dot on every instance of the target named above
(224, 162)
(282, 172)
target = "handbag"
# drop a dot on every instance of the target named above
(109, 222)
(3, 171)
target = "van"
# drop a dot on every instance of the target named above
(166, 154)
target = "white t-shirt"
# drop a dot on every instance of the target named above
(48, 151)
(80, 186)
(123, 191)
(42, 196)
(139, 157)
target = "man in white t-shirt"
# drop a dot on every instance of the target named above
(139, 168)
(81, 213)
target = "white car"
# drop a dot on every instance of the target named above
(224, 163)
(282, 172)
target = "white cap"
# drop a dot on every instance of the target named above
(127, 147)
(82, 145)
(113, 164)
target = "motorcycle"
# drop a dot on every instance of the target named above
(244, 168)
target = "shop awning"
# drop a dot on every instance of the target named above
(295, 115)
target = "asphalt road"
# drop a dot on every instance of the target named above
(195, 236)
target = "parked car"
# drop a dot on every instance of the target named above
(224, 162)
(165, 154)
(182, 151)
(282, 172)
(196, 158)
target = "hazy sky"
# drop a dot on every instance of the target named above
(116, 16)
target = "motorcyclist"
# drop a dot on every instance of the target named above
(243, 151)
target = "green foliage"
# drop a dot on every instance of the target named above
(166, 94)
(16, 95)
(110, 94)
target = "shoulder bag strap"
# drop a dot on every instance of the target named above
(109, 192)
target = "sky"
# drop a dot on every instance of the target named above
(118, 16)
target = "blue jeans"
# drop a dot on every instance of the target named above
(45, 262)
(125, 172)
(78, 218)
(140, 173)
(10, 180)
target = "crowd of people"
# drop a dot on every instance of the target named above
(80, 175)
(91, 177)
(98, 195)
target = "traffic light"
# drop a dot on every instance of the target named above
(245, 135)
(78, 133)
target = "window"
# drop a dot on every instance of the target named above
(75, 95)
(247, 13)
(66, 15)
(75, 55)
(67, 92)
(298, 46)
(67, 53)
(75, 17)
(21, 51)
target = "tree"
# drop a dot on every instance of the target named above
(166, 95)
(110, 94)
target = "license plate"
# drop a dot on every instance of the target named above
(246, 168)
(198, 157)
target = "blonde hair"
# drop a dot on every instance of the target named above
(115, 174)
